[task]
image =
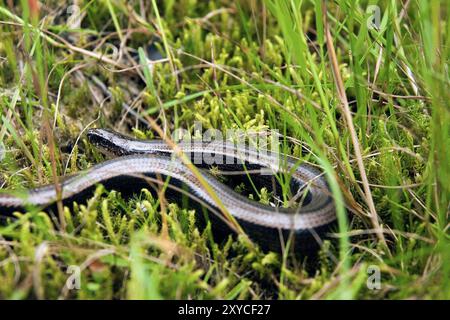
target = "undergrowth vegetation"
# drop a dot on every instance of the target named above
(366, 99)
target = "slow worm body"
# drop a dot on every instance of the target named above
(138, 160)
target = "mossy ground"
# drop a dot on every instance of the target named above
(250, 65)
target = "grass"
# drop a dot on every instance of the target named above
(369, 102)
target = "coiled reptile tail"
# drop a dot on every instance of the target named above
(140, 161)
